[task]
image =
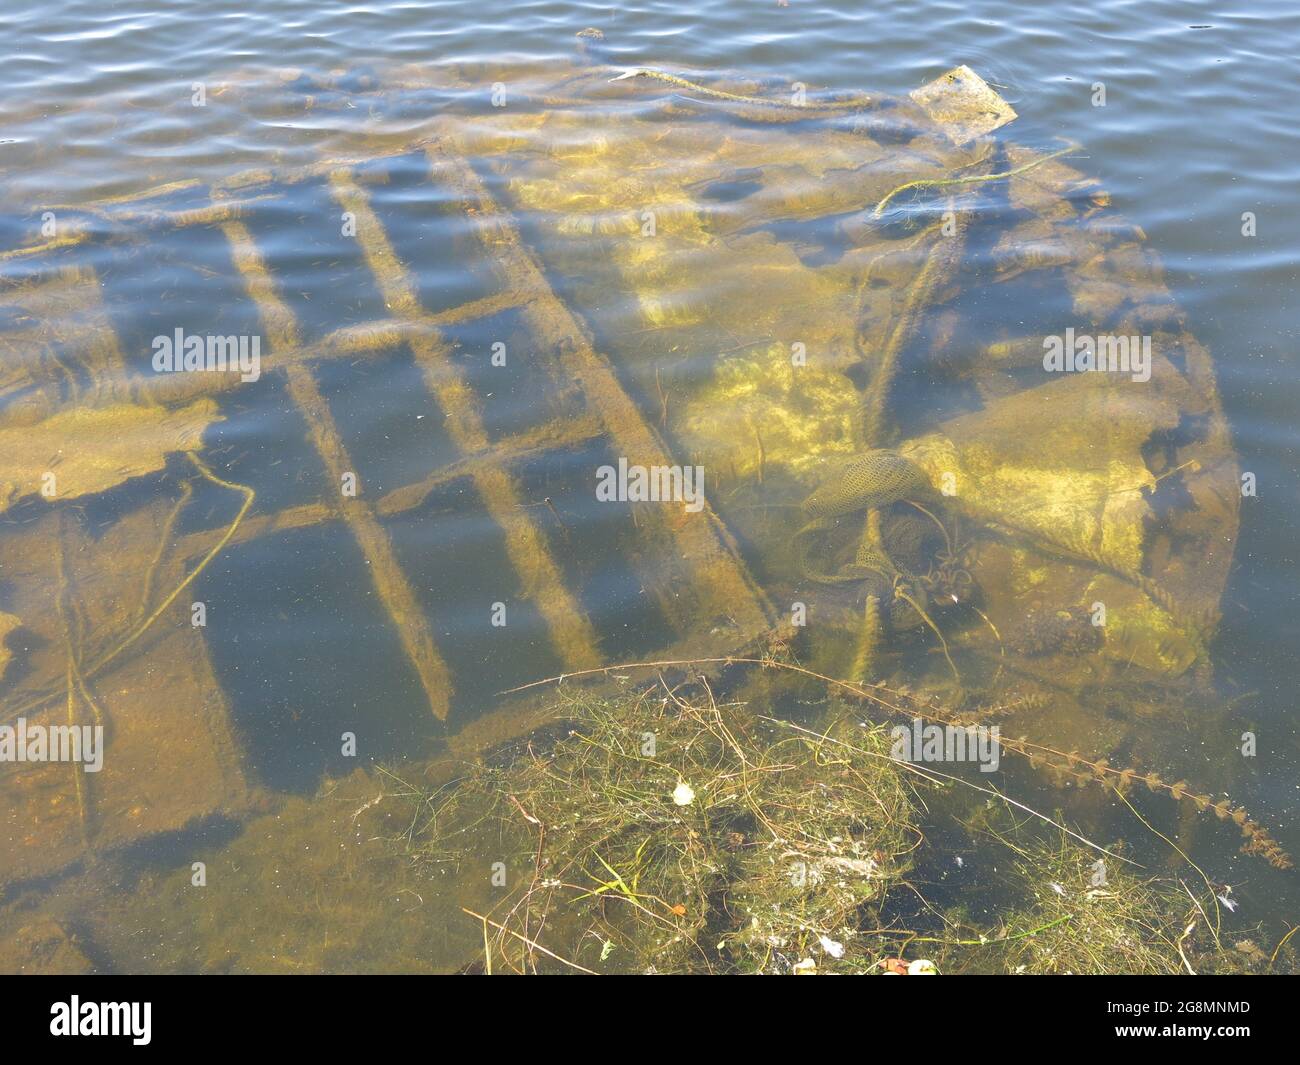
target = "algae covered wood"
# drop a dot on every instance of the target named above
(88, 450)
(702, 279)
(8, 624)
(169, 757)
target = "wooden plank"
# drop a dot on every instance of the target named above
(169, 757)
(390, 582)
(552, 437)
(570, 632)
(696, 566)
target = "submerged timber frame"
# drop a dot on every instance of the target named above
(704, 568)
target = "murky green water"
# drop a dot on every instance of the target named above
(479, 274)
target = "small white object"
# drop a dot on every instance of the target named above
(835, 950)
(922, 967)
(683, 794)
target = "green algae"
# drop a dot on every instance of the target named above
(1066, 914)
(671, 833)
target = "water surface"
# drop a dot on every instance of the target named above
(97, 103)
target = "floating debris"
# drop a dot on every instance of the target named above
(963, 105)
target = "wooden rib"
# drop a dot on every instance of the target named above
(554, 436)
(366, 338)
(697, 567)
(390, 582)
(570, 632)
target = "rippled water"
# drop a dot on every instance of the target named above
(97, 103)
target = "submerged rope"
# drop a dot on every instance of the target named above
(249, 496)
(735, 97)
(90, 671)
(972, 179)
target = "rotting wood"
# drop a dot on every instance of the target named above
(554, 436)
(570, 632)
(390, 582)
(704, 576)
(375, 338)
(163, 770)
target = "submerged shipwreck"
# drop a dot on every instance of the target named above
(953, 431)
